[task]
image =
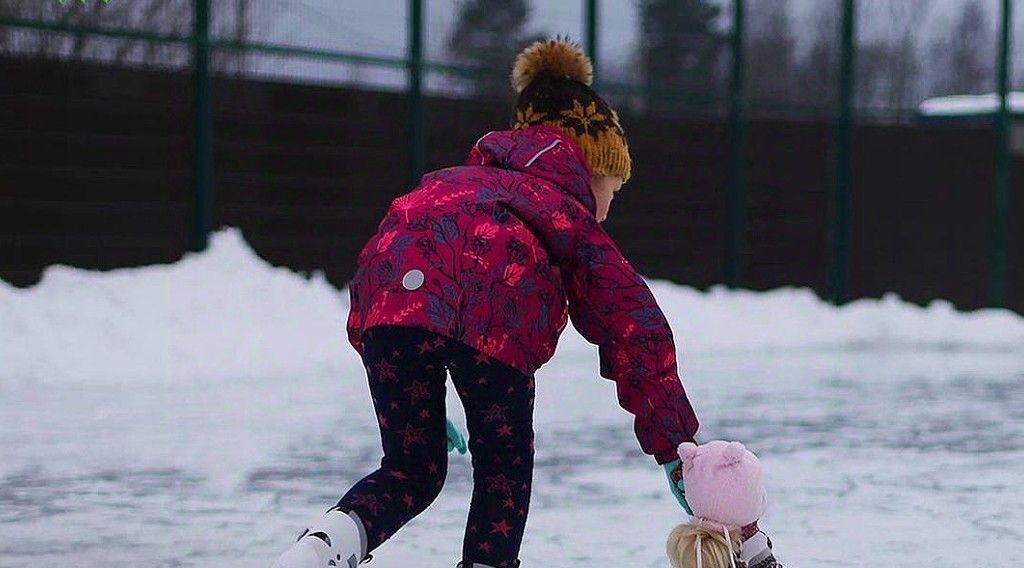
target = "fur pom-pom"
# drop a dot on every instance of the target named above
(558, 57)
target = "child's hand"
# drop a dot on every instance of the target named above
(673, 470)
(456, 440)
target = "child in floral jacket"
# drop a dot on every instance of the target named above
(476, 272)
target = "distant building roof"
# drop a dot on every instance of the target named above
(970, 105)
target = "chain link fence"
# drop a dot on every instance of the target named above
(838, 61)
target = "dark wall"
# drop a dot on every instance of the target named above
(94, 168)
(923, 214)
(95, 171)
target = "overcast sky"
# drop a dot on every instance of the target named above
(378, 27)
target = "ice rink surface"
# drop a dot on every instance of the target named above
(895, 441)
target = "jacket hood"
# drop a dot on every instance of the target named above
(542, 151)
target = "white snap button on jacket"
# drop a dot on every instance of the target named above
(413, 279)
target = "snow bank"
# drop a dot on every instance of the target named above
(960, 105)
(226, 313)
(222, 313)
(796, 320)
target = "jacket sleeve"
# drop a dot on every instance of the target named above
(612, 307)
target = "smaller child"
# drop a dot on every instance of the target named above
(723, 487)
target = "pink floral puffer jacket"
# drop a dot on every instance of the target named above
(495, 254)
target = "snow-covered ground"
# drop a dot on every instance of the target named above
(198, 414)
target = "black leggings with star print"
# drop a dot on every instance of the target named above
(406, 370)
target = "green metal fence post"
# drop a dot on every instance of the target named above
(736, 224)
(840, 209)
(202, 159)
(417, 134)
(1002, 185)
(590, 31)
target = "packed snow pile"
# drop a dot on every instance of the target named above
(221, 313)
(226, 313)
(796, 320)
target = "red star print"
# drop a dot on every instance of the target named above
(505, 430)
(496, 413)
(510, 504)
(382, 420)
(529, 384)
(408, 500)
(481, 381)
(418, 390)
(386, 371)
(432, 468)
(484, 547)
(522, 512)
(482, 359)
(438, 342)
(399, 475)
(394, 405)
(369, 502)
(511, 390)
(396, 353)
(500, 483)
(517, 461)
(424, 347)
(412, 435)
(501, 527)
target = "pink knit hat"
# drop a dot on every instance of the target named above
(723, 483)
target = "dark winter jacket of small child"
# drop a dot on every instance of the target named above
(496, 254)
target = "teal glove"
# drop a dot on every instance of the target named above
(674, 471)
(456, 440)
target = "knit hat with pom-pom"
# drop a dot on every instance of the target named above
(553, 80)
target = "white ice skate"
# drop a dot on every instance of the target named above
(335, 539)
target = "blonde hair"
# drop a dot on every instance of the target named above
(715, 550)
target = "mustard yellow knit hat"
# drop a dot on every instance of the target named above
(553, 80)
